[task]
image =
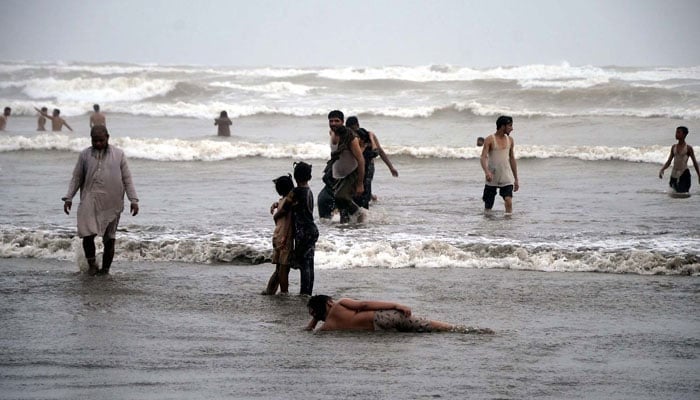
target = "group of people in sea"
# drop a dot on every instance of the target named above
(103, 177)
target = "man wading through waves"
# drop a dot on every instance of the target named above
(344, 175)
(103, 176)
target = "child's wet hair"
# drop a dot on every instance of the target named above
(302, 171)
(284, 184)
(317, 305)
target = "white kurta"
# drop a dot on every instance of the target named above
(102, 177)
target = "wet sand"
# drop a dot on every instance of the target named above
(173, 330)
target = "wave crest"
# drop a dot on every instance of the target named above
(330, 254)
(216, 150)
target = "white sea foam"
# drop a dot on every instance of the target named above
(215, 150)
(89, 89)
(336, 253)
(272, 88)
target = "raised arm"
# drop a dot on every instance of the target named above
(668, 163)
(45, 115)
(373, 305)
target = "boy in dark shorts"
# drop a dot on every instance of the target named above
(499, 165)
(680, 153)
(305, 230)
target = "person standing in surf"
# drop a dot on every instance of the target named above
(224, 123)
(680, 153)
(103, 176)
(282, 237)
(97, 117)
(305, 229)
(499, 165)
(4, 116)
(344, 175)
(41, 120)
(371, 148)
(57, 123)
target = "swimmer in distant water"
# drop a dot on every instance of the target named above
(224, 123)
(41, 120)
(57, 122)
(354, 315)
(3, 118)
(680, 152)
(97, 118)
(479, 141)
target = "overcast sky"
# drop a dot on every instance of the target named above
(353, 32)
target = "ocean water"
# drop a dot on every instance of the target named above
(589, 142)
(591, 286)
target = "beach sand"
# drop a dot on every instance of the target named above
(190, 331)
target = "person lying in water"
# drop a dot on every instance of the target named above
(349, 314)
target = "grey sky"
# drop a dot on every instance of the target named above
(359, 33)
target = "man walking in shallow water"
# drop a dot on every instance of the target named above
(103, 176)
(499, 165)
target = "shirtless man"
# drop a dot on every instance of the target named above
(41, 120)
(499, 165)
(97, 118)
(57, 122)
(3, 118)
(354, 315)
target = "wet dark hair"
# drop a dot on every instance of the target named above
(96, 107)
(8, 109)
(683, 129)
(223, 114)
(284, 184)
(57, 111)
(317, 304)
(336, 114)
(352, 122)
(302, 171)
(503, 120)
(342, 131)
(363, 134)
(99, 128)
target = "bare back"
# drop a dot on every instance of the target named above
(97, 119)
(56, 124)
(342, 318)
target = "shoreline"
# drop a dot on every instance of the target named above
(180, 330)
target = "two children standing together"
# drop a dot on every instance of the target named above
(295, 235)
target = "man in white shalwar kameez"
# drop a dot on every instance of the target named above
(103, 176)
